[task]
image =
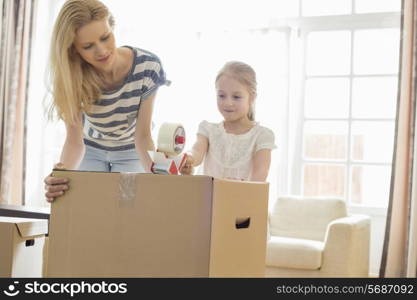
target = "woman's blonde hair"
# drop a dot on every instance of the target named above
(75, 83)
(245, 75)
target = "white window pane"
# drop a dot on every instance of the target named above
(278, 8)
(326, 7)
(328, 53)
(373, 6)
(370, 185)
(324, 180)
(376, 51)
(374, 97)
(325, 140)
(372, 141)
(327, 98)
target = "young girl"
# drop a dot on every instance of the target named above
(238, 147)
(103, 93)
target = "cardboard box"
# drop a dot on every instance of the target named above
(147, 225)
(21, 246)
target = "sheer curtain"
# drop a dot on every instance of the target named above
(15, 36)
(44, 138)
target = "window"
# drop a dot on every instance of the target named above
(348, 101)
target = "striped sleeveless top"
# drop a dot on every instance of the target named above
(110, 125)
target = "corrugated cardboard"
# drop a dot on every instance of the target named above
(21, 246)
(147, 225)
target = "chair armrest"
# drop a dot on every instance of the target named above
(268, 233)
(352, 220)
(346, 245)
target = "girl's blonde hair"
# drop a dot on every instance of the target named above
(245, 75)
(75, 83)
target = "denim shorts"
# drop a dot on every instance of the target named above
(110, 161)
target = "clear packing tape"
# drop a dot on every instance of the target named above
(127, 189)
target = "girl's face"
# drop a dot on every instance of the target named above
(96, 44)
(233, 99)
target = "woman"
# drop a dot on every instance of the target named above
(103, 93)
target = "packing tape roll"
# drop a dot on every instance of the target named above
(171, 138)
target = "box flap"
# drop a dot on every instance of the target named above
(32, 227)
(239, 223)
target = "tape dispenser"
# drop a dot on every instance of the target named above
(168, 157)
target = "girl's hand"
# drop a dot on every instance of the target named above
(55, 186)
(187, 168)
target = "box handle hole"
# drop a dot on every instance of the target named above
(30, 243)
(242, 223)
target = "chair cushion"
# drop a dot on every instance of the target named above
(294, 253)
(305, 218)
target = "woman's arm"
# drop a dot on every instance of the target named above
(143, 136)
(73, 150)
(261, 163)
(71, 155)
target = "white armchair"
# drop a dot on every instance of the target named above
(314, 237)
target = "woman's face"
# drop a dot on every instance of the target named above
(233, 98)
(96, 44)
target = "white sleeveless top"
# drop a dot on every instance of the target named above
(231, 155)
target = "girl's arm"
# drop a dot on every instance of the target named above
(199, 149)
(261, 163)
(196, 155)
(143, 136)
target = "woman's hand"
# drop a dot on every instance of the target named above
(55, 186)
(187, 168)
